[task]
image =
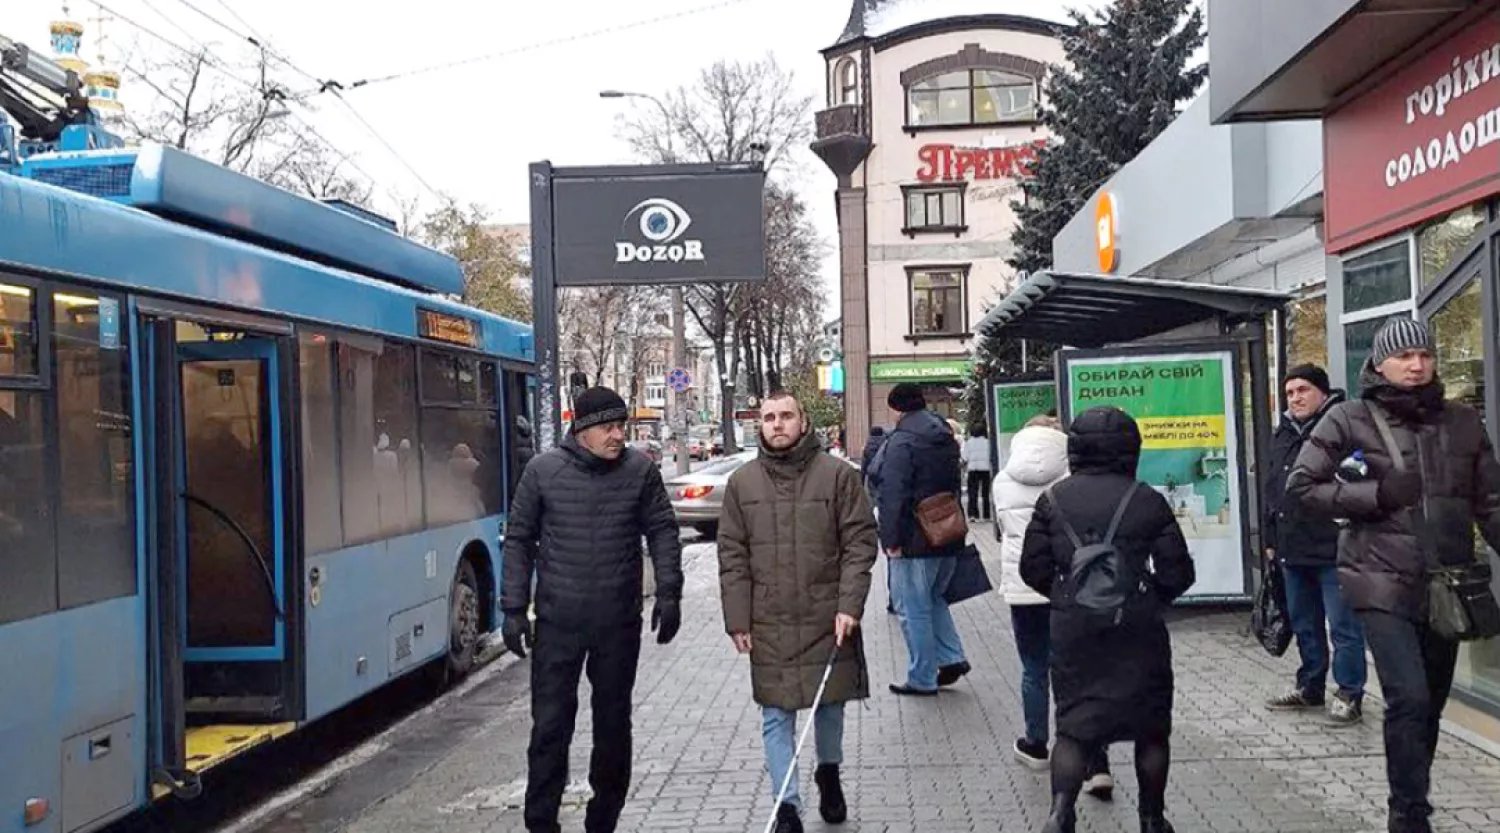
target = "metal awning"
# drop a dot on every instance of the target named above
(1081, 310)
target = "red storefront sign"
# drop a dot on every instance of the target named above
(950, 163)
(1423, 143)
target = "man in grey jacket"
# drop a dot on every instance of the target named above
(577, 523)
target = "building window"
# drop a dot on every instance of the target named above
(846, 76)
(937, 302)
(655, 393)
(934, 209)
(1439, 243)
(656, 369)
(1359, 338)
(1458, 328)
(971, 96)
(1379, 277)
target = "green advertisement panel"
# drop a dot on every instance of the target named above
(1190, 448)
(1013, 404)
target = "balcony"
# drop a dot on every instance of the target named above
(841, 141)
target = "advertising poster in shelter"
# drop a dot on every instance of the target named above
(1184, 404)
(1013, 404)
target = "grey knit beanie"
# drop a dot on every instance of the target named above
(1399, 335)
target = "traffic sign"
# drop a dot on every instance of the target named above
(679, 380)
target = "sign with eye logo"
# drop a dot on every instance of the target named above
(666, 224)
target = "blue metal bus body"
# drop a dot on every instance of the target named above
(107, 701)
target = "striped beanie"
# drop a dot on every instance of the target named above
(1399, 335)
(598, 406)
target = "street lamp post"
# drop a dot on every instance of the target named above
(675, 401)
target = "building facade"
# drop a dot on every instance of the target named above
(927, 125)
(1349, 158)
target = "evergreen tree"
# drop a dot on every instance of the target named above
(1126, 75)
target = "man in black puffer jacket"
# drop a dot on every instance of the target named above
(1304, 546)
(577, 523)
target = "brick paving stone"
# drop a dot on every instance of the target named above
(944, 764)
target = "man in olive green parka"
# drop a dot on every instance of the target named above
(797, 540)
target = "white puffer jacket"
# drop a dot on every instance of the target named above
(1038, 458)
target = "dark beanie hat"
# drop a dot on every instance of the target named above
(1310, 373)
(597, 406)
(1399, 335)
(907, 397)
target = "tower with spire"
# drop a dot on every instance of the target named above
(101, 85)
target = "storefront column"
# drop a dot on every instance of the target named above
(856, 317)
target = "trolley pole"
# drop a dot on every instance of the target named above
(679, 400)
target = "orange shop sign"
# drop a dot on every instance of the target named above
(951, 163)
(1107, 232)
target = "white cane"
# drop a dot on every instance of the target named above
(786, 782)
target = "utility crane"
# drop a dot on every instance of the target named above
(48, 103)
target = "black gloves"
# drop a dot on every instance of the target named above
(1399, 489)
(517, 634)
(666, 619)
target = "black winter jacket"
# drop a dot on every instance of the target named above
(577, 523)
(920, 459)
(1385, 553)
(1300, 538)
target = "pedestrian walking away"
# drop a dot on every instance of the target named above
(976, 459)
(1412, 474)
(1111, 657)
(920, 461)
(576, 524)
(796, 546)
(1038, 458)
(1304, 547)
(868, 467)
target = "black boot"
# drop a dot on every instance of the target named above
(830, 794)
(787, 820)
(1155, 823)
(1064, 818)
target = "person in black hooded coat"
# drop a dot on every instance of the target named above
(1114, 683)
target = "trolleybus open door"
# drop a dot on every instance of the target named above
(226, 601)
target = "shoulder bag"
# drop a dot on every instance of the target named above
(1461, 605)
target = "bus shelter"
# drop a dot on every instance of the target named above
(1192, 363)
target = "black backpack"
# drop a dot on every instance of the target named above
(1100, 580)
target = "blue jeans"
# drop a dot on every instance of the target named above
(1032, 625)
(1312, 596)
(779, 729)
(932, 639)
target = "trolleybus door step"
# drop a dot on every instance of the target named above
(251, 705)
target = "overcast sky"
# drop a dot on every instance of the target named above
(471, 130)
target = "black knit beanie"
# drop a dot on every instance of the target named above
(1310, 373)
(596, 406)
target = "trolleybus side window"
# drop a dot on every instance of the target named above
(28, 559)
(320, 465)
(382, 479)
(461, 464)
(95, 532)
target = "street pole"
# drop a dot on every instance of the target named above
(679, 359)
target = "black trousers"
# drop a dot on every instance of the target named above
(559, 657)
(1416, 674)
(979, 495)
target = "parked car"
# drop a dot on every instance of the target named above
(650, 448)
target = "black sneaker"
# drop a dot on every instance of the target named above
(1032, 754)
(831, 805)
(1294, 700)
(787, 820)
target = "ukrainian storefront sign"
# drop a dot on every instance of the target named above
(1422, 143)
(1190, 448)
(941, 370)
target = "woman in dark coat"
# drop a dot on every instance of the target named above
(1112, 682)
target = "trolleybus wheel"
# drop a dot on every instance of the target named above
(463, 622)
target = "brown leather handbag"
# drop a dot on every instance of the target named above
(941, 519)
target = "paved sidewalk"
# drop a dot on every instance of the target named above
(944, 765)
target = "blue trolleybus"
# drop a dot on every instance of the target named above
(254, 464)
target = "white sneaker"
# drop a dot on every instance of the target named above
(1100, 786)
